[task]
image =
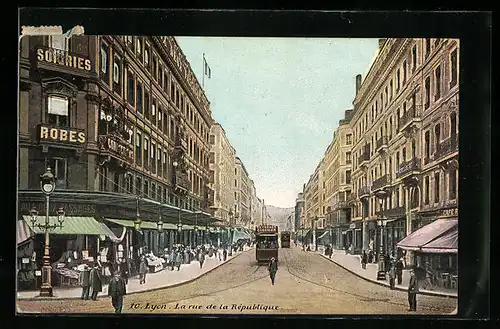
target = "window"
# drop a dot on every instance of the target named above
(386, 96)
(390, 90)
(155, 68)
(116, 75)
(139, 46)
(348, 177)
(437, 94)
(454, 68)
(130, 88)
(158, 161)
(427, 139)
(348, 139)
(153, 191)
(138, 105)
(104, 58)
(59, 167)
(398, 81)
(413, 149)
(116, 182)
(172, 129)
(146, 57)
(146, 189)
(129, 184)
(58, 42)
(138, 186)
(427, 92)
(138, 153)
(103, 178)
(437, 135)
(414, 57)
(453, 184)
(427, 47)
(165, 168)
(130, 42)
(147, 110)
(146, 155)
(405, 64)
(58, 111)
(348, 157)
(153, 162)
(436, 187)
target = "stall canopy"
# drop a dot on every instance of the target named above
(23, 232)
(71, 226)
(440, 236)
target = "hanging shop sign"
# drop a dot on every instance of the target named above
(117, 146)
(63, 58)
(61, 135)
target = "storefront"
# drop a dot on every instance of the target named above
(435, 247)
(354, 237)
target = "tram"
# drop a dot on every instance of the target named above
(266, 239)
(285, 239)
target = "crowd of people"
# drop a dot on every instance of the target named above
(91, 280)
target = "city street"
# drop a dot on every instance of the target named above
(306, 283)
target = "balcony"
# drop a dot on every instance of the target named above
(341, 205)
(409, 168)
(394, 212)
(363, 159)
(351, 198)
(408, 118)
(181, 181)
(180, 142)
(382, 144)
(363, 191)
(446, 147)
(381, 182)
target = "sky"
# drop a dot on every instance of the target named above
(279, 101)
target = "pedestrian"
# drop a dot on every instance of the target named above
(124, 270)
(143, 269)
(364, 259)
(399, 270)
(392, 276)
(202, 259)
(224, 254)
(95, 281)
(273, 268)
(178, 261)
(412, 291)
(84, 281)
(387, 260)
(173, 256)
(117, 289)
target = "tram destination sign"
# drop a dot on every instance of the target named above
(267, 229)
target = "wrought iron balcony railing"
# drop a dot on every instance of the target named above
(381, 182)
(365, 157)
(408, 167)
(382, 142)
(407, 117)
(363, 191)
(446, 147)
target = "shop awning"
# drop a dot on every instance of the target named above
(71, 225)
(148, 225)
(23, 232)
(302, 232)
(323, 235)
(447, 243)
(418, 240)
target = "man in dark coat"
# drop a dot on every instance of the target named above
(143, 269)
(202, 259)
(364, 260)
(117, 289)
(224, 254)
(273, 268)
(399, 270)
(84, 281)
(95, 281)
(412, 291)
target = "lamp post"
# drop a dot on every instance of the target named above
(314, 233)
(159, 225)
(47, 185)
(196, 228)
(382, 222)
(179, 223)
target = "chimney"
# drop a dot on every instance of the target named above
(380, 43)
(358, 82)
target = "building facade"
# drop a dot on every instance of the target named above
(337, 163)
(405, 135)
(299, 212)
(222, 169)
(124, 126)
(242, 194)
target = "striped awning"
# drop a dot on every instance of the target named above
(323, 235)
(23, 232)
(71, 226)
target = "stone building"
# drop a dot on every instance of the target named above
(222, 171)
(405, 140)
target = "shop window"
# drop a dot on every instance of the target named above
(58, 111)
(59, 168)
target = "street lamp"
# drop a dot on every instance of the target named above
(137, 221)
(381, 223)
(314, 233)
(47, 185)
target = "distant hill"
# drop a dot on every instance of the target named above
(279, 217)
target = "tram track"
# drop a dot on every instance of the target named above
(359, 296)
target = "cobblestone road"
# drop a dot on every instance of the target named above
(306, 283)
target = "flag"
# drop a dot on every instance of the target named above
(207, 70)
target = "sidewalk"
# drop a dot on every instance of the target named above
(352, 263)
(154, 281)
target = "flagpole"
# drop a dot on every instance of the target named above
(203, 73)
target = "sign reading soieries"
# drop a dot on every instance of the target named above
(59, 134)
(61, 57)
